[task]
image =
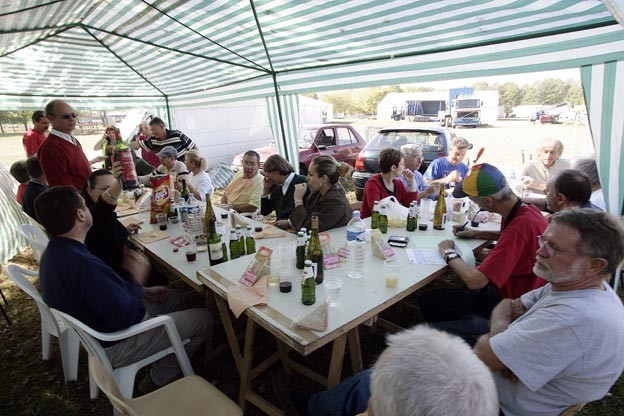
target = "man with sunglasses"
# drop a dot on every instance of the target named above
(61, 156)
(561, 344)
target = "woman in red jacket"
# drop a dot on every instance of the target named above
(386, 183)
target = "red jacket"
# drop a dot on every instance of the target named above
(375, 190)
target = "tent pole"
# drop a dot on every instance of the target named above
(168, 112)
(281, 119)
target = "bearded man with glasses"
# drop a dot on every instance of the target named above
(61, 156)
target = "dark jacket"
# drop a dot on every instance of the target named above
(283, 204)
(333, 210)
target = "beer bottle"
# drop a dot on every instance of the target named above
(439, 213)
(215, 247)
(308, 289)
(375, 215)
(224, 249)
(234, 249)
(185, 192)
(315, 251)
(250, 242)
(241, 240)
(382, 223)
(122, 153)
(412, 217)
(301, 248)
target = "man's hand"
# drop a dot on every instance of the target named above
(453, 176)
(460, 231)
(134, 145)
(117, 170)
(444, 245)
(133, 228)
(268, 185)
(300, 190)
(97, 159)
(137, 266)
(282, 224)
(156, 294)
(409, 176)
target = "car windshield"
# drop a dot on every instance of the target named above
(467, 103)
(429, 141)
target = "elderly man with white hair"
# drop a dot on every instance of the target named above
(548, 163)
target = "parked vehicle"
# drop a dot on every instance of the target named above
(466, 111)
(341, 141)
(434, 141)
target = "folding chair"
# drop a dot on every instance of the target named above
(37, 239)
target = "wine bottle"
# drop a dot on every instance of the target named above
(215, 247)
(301, 249)
(375, 215)
(412, 217)
(234, 249)
(250, 242)
(315, 251)
(185, 192)
(439, 213)
(308, 289)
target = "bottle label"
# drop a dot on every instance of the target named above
(130, 177)
(216, 251)
(353, 234)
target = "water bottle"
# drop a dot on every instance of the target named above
(356, 254)
(182, 210)
(355, 227)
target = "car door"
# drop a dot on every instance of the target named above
(348, 148)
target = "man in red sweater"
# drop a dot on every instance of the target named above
(34, 137)
(61, 156)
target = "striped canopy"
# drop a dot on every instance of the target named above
(168, 54)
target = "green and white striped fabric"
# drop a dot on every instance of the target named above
(603, 86)
(286, 145)
(12, 215)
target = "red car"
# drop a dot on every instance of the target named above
(341, 141)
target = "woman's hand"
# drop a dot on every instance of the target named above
(268, 185)
(300, 190)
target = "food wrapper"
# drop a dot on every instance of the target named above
(242, 297)
(380, 248)
(330, 257)
(257, 268)
(160, 196)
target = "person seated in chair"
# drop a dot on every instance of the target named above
(279, 189)
(76, 282)
(243, 193)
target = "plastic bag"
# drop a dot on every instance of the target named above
(394, 209)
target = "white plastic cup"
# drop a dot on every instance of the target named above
(392, 272)
(332, 289)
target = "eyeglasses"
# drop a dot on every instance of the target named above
(552, 250)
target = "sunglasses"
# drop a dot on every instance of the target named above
(67, 116)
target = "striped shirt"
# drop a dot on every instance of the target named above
(174, 138)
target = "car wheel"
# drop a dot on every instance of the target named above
(359, 194)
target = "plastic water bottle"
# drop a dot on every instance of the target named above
(356, 254)
(355, 227)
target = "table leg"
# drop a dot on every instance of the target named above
(283, 352)
(245, 376)
(355, 350)
(229, 331)
(335, 365)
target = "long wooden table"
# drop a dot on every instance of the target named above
(360, 300)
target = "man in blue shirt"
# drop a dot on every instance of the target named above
(449, 169)
(77, 282)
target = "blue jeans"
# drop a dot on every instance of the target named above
(348, 398)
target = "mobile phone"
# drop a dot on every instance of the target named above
(398, 241)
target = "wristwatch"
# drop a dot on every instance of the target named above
(450, 254)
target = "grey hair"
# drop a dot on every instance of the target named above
(558, 142)
(601, 234)
(589, 167)
(502, 195)
(427, 372)
(409, 149)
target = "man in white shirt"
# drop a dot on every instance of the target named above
(548, 163)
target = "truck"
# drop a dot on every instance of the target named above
(466, 111)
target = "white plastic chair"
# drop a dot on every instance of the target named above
(124, 376)
(50, 326)
(191, 395)
(36, 238)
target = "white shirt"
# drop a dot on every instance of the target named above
(287, 182)
(64, 136)
(201, 183)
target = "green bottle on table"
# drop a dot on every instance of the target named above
(375, 216)
(215, 247)
(308, 287)
(412, 217)
(315, 251)
(382, 223)
(234, 246)
(250, 242)
(439, 213)
(301, 249)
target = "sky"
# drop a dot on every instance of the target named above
(520, 79)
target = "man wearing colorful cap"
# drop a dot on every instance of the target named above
(507, 272)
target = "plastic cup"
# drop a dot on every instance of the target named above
(332, 288)
(287, 255)
(392, 272)
(162, 221)
(191, 252)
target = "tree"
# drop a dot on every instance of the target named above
(483, 86)
(510, 95)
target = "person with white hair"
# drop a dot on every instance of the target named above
(423, 372)
(537, 172)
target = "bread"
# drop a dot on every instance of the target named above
(316, 320)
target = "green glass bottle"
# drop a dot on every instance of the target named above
(439, 213)
(241, 240)
(224, 249)
(215, 247)
(250, 242)
(412, 217)
(382, 223)
(308, 288)
(234, 246)
(315, 251)
(375, 215)
(185, 192)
